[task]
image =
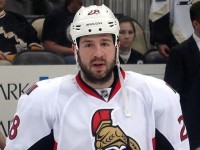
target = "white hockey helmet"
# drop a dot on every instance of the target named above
(94, 20)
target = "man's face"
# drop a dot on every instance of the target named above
(196, 25)
(97, 57)
(2, 4)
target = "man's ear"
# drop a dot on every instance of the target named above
(118, 43)
(74, 48)
(195, 24)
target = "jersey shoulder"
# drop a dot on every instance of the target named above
(152, 89)
(138, 79)
(51, 85)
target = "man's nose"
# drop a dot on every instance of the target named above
(98, 51)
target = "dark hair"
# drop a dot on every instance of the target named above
(123, 19)
(67, 2)
(195, 11)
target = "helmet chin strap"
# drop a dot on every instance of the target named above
(124, 91)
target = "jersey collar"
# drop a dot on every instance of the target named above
(91, 91)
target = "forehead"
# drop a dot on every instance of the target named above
(126, 25)
(107, 37)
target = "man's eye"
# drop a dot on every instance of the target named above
(88, 45)
(105, 44)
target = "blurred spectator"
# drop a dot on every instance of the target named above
(169, 24)
(23, 7)
(183, 65)
(39, 7)
(2, 141)
(16, 33)
(127, 55)
(29, 7)
(43, 7)
(55, 26)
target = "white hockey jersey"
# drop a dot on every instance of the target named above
(178, 10)
(82, 120)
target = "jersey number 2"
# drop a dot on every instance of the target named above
(183, 133)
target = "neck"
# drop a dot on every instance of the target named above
(124, 52)
(125, 49)
(99, 84)
(197, 34)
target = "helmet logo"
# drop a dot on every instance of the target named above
(94, 23)
(95, 11)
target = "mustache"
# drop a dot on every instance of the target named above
(98, 59)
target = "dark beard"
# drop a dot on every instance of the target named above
(89, 76)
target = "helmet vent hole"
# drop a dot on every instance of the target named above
(89, 30)
(78, 27)
(100, 29)
(111, 24)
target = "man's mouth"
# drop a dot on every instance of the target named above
(98, 65)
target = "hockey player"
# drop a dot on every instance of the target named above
(169, 23)
(102, 107)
